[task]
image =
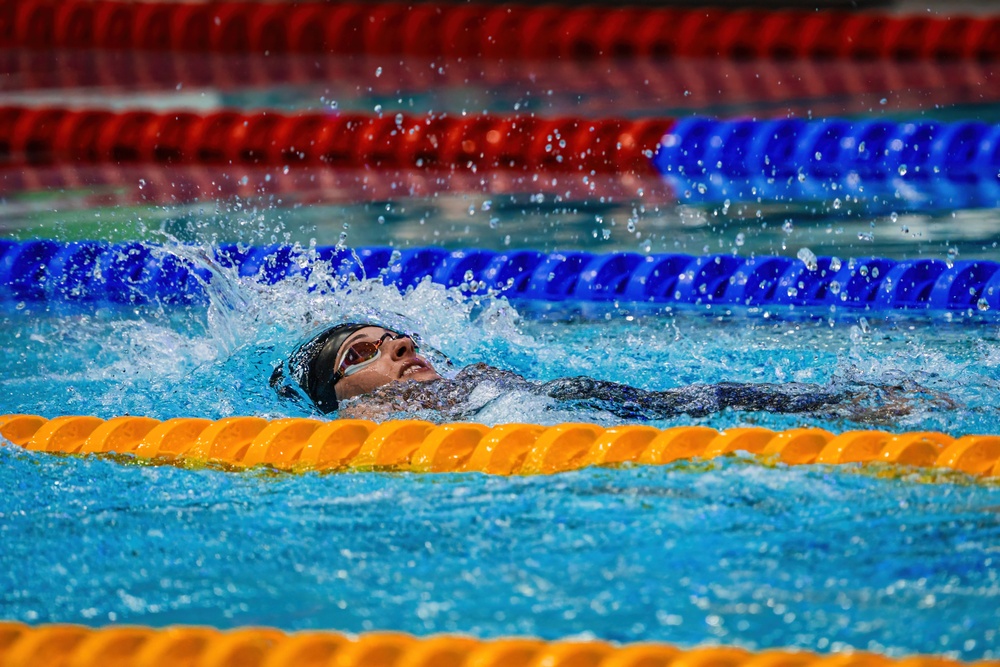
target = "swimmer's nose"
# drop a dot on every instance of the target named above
(402, 347)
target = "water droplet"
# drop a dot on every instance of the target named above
(983, 305)
(834, 287)
(835, 264)
(808, 257)
(836, 203)
(378, 72)
(740, 239)
(902, 170)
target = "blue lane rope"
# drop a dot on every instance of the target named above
(137, 273)
(880, 164)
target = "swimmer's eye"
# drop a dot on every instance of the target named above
(366, 352)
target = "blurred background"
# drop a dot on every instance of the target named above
(176, 66)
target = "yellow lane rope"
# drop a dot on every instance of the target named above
(136, 646)
(307, 444)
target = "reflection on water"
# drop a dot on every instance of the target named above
(630, 87)
(495, 210)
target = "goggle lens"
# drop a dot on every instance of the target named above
(365, 352)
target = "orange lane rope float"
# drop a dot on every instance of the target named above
(136, 646)
(297, 444)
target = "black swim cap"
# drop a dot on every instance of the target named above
(313, 364)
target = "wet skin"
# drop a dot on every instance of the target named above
(398, 361)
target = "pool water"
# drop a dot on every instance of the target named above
(728, 552)
(213, 361)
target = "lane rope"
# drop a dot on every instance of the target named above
(69, 644)
(838, 164)
(139, 273)
(298, 444)
(45, 135)
(494, 32)
(895, 165)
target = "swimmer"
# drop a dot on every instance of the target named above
(369, 371)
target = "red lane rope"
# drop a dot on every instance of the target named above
(822, 87)
(492, 31)
(54, 135)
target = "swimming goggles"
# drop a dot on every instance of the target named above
(366, 352)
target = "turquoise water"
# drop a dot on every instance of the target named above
(729, 553)
(213, 361)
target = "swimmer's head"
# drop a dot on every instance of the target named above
(351, 359)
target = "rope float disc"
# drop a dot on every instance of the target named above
(137, 273)
(297, 445)
(875, 164)
(46, 135)
(21, 644)
(492, 32)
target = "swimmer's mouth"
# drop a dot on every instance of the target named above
(415, 368)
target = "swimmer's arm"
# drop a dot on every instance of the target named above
(696, 400)
(364, 410)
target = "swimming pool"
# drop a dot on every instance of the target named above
(735, 550)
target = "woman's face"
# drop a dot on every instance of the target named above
(397, 362)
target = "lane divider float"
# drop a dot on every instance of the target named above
(494, 32)
(299, 444)
(137, 273)
(895, 165)
(45, 135)
(877, 164)
(68, 644)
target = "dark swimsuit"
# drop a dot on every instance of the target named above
(454, 397)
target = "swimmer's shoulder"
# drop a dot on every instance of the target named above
(482, 372)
